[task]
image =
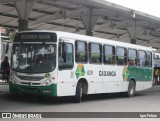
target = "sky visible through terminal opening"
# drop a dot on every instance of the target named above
(151, 7)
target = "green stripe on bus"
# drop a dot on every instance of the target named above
(138, 73)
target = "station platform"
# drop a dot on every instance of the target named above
(4, 87)
(3, 82)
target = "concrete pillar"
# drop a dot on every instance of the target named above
(89, 22)
(133, 41)
(24, 8)
(135, 32)
(23, 25)
(89, 32)
(132, 33)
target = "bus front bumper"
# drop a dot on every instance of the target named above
(50, 90)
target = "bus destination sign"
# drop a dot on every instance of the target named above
(28, 37)
(35, 37)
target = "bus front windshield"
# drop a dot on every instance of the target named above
(33, 58)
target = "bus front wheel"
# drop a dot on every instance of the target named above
(78, 94)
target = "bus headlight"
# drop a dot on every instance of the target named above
(47, 82)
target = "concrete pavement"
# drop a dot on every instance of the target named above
(145, 101)
(4, 87)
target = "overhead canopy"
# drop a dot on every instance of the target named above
(93, 17)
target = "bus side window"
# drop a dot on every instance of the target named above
(125, 56)
(121, 58)
(142, 58)
(109, 54)
(95, 53)
(149, 59)
(132, 57)
(114, 55)
(81, 52)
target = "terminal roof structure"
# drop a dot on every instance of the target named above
(92, 17)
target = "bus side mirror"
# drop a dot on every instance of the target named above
(62, 51)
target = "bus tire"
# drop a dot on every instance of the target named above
(41, 98)
(131, 89)
(78, 94)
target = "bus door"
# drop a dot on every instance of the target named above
(65, 65)
(95, 66)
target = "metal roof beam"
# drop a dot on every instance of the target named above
(102, 27)
(58, 15)
(135, 32)
(55, 4)
(149, 40)
(77, 14)
(34, 9)
(6, 1)
(131, 23)
(70, 26)
(127, 11)
(8, 15)
(85, 3)
(95, 12)
(9, 26)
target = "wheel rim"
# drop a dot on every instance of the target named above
(80, 92)
(131, 90)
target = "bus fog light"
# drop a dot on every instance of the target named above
(46, 83)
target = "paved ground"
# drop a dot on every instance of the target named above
(4, 88)
(145, 101)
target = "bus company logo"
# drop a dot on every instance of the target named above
(125, 73)
(80, 70)
(107, 73)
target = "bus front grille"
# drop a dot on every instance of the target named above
(30, 78)
(30, 84)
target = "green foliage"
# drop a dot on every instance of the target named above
(10, 33)
(11, 36)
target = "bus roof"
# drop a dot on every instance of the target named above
(68, 35)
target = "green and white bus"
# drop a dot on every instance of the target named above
(65, 64)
